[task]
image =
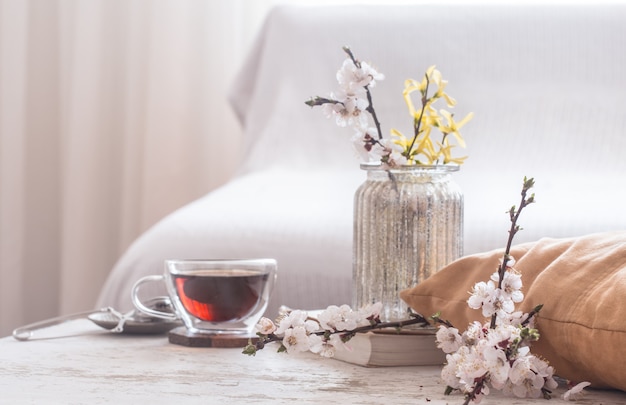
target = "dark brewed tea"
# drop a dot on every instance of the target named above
(220, 296)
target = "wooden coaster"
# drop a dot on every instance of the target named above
(184, 337)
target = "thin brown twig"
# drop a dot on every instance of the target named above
(514, 214)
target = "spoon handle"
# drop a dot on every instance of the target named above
(26, 332)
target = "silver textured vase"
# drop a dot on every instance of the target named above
(408, 224)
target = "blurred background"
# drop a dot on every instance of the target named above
(113, 113)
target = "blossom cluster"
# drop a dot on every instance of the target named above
(499, 301)
(323, 334)
(351, 106)
(496, 354)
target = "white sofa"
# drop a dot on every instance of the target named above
(547, 85)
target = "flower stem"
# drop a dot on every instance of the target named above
(370, 109)
(514, 215)
(476, 391)
(417, 125)
(315, 101)
(370, 103)
(414, 319)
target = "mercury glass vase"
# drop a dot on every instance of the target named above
(408, 224)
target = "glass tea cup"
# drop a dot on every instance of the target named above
(214, 296)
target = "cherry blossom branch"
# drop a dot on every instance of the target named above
(352, 106)
(514, 215)
(436, 318)
(346, 335)
(370, 105)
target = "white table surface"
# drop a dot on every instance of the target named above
(95, 366)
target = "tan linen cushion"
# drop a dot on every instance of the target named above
(580, 281)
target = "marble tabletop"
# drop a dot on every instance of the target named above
(80, 363)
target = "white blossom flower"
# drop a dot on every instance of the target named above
(327, 347)
(343, 318)
(311, 326)
(265, 326)
(296, 340)
(297, 318)
(331, 110)
(353, 79)
(514, 319)
(471, 364)
(371, 311)
(448, 373)
(448, 339)
(349, 319)
(481, 293)
(512, 285)
(294, 318)
(473, 333)
(498, 304)
(526, 381)
(318, 344)
(544, 370)
(329, 318)
(576, 391)
(347, 110)
(497, 365)
(503, 334)
(366, 145)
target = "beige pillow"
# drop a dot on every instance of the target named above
(580, 281)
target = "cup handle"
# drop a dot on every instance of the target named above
(141, 307)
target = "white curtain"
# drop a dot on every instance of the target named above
(113, 113)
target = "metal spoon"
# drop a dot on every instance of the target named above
(132, 322)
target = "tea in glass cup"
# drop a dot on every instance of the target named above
(215, 296)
